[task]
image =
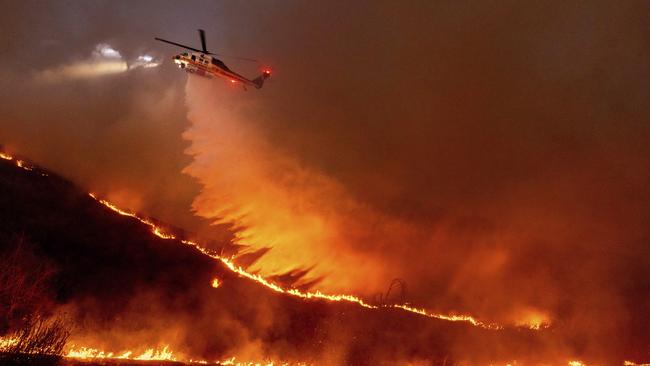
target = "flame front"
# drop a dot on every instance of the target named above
(151, 354)
(19, 163)
(531, 318)
(7, 342)
(164, 353)
(86, 353)
(160, 354)
(228, 262)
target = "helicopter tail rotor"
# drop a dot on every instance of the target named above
(259, 81)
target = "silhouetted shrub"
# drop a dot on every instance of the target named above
(29, 336)
(40, 336)
(24, 278)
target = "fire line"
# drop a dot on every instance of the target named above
(228, 262)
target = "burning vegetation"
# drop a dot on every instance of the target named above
(139, 290)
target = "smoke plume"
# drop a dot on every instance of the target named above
(507, 181)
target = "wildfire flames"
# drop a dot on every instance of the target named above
(159, 232)
(151, 354)
(6, 342)
(532, 319)
(228, 262)
(19, 163)
(159, 354)
(163, 354)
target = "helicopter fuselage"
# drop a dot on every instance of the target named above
(203, 63)
(208, 66)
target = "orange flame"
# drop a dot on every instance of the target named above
(151, 354)
(19, 163)
(532, 319)
(7, 342)
(86, 353)
(232, 361)
(228, 262)
(160, 354)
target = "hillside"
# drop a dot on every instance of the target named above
(126, 289)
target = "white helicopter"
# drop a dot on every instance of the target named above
(203, 63)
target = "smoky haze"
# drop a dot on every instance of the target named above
(493, 156)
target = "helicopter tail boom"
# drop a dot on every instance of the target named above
(259, 81)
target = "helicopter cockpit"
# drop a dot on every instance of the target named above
(179, 59)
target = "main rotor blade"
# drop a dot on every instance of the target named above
(204, 51)
(178, 44)
(234, 57)
(202, 35)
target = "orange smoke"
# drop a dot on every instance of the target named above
(310, 220)
(160, 232)
(272, 200)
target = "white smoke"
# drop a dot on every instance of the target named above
(103, 61)
(144, 61)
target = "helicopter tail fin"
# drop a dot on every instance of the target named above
(259, 81)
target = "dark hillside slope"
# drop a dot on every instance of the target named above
(99, 254)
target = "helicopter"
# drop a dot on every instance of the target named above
(204, 63)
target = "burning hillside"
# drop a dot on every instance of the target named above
(137, 289)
